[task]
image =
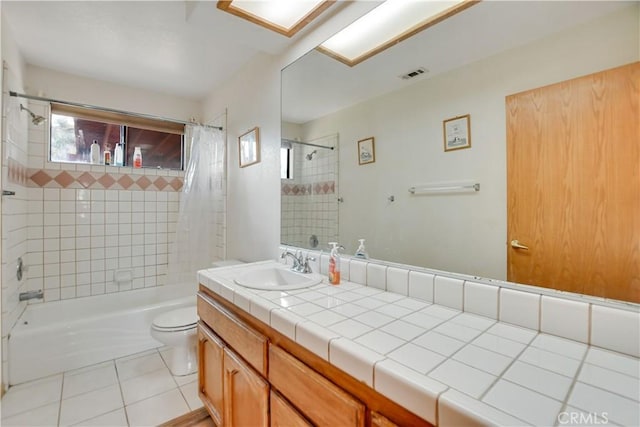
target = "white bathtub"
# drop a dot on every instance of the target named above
(59, 336)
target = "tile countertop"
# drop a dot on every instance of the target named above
(447, 366)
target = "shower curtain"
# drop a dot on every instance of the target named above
(199, 226)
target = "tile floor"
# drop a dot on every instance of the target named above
(136, 390)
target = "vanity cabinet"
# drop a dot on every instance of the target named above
(251, 375)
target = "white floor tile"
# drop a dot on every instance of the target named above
(88, 379)
(116, 418)
(523, 403)
(157, 409)
(190, 393)
(89, 405)
(185, 379)
(131, 367)
(33, 394)
(461, 377)
(147, 385)
(43, 416)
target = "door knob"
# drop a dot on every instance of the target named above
(516, 245)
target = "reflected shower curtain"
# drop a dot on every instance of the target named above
(199, 225)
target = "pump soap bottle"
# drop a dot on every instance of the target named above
(334, 264)
(361, 252)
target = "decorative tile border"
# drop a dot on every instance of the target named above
(102, 181)
(17, 173)
(325, 187)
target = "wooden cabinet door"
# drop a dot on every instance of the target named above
(246, 394)
(379, 420)
(285, 415)
(211, 373)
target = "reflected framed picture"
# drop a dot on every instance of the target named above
(249, 147)
(457, 133)
(366, 151)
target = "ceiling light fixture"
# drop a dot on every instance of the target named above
(285, 17)
(386, 25)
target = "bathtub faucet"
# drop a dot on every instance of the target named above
(24, 296)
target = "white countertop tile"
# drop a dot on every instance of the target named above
(476, 370)
(415, 392)
(417, 358)
(523, 403)
(380, 341)
(537, 379)
(614, 361)
(439, 343)
(486, 360)
(554, 362)
(610, 380)
(618, 409)
(464, 378)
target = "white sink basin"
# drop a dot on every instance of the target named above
(276, 279)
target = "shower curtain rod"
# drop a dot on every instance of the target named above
(109, 110)
(307, 143)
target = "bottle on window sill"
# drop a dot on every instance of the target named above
(118, 155)
(137, 158)
(95, 153)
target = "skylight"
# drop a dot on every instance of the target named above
(286, 17)
(386, 25)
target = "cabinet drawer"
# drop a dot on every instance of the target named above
(321, 401)
(249, 344)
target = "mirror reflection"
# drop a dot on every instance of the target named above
(466, 65)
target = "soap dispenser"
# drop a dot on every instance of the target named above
(361, 252)
(334, 264)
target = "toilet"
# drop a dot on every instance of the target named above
(178, 329)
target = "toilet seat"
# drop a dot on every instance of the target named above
(177, 320)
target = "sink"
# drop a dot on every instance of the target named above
(276, 279)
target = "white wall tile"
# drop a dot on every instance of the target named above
(398, 280)
(481, 299)
(615, 329)
(520, 308)
(448, 292)
(377, 276)
(565, 318)
(358, 271)
(421, 285)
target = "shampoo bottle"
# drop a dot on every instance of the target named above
(361, 252)
(95, 153)
(118, 155)
(334, 264)
(137, 158)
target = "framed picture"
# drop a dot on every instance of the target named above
(249, 147)
(457, 133)
(366, 151)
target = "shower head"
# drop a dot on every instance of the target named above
(310, 155)
(36, 120)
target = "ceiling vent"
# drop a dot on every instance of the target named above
(414, 73)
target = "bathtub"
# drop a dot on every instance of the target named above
(58, 336)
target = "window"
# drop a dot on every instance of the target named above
(73, 130)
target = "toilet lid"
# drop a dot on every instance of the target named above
(178, 318)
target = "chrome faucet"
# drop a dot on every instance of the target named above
(25, 296)
(300, 263)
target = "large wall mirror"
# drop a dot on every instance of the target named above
(466, 65)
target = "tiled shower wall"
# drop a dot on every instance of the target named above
(14, 208)
(310, 199)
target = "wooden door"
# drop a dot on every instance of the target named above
(285, 415)
(246, 394)
(211, 373)
(573, 185)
